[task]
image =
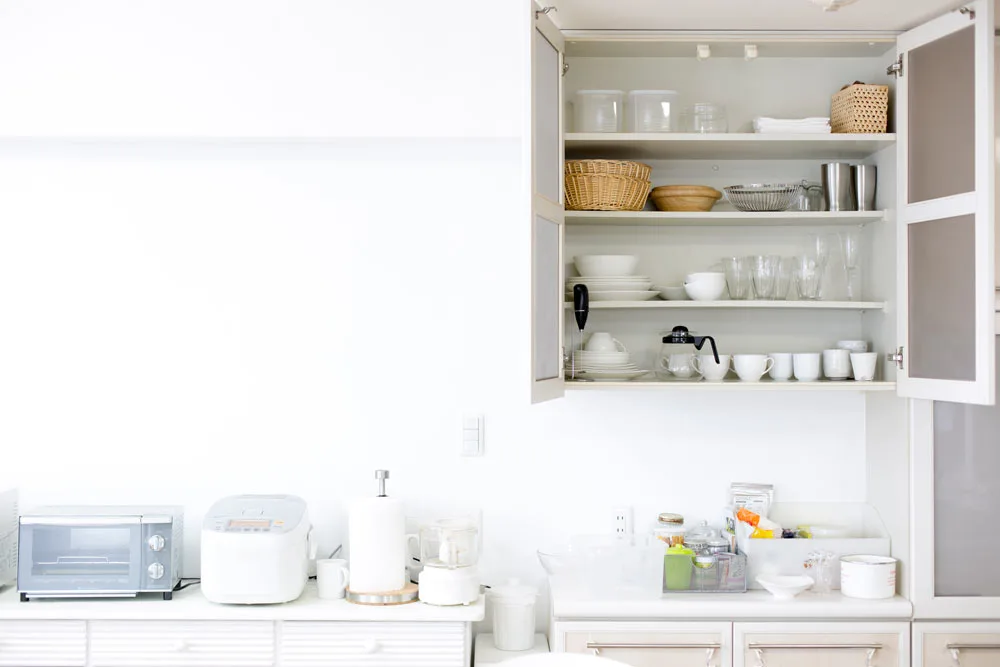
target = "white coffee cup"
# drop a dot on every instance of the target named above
(852, 345)
(332, 577)
(708, 369)
(782, 368)
(836, 364)
(604, 342)
(680, 365)
(806, 366)
(751, 367)
(864, 364)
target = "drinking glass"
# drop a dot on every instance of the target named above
(809, 277)
(738, 277)
(765, 275)
(819, 247)
(786, 269)
(850, 243)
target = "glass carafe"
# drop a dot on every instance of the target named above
(676, 362)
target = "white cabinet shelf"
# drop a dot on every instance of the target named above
(737, 305)
(722, 218)
(731, 146)
(734, 385)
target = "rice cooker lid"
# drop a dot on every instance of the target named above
(256, 514)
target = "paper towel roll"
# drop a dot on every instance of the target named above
(377, 543)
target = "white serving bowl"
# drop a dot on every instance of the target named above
(784, 587)
(673, 293)
(596, 266)
(705, 286)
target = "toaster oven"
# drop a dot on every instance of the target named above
(75, 552)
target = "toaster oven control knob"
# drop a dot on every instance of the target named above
(156, 542)
(155, 571)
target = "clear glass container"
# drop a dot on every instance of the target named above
(675, 362)
(598, 110)
(449, 543)
(704, 118)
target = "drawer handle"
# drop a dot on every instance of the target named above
(709, 649)
(181, 646)
(956, 650)
(370, 646)
(759, 649)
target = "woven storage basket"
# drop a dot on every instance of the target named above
(605, 192)
(860, 109)
(612, 167)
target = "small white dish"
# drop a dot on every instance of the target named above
(677, 293)
(610, 376)
(784, 587)
(623, 296)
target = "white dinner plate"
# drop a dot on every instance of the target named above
(595, 286)
(610, 375)
(624, 295)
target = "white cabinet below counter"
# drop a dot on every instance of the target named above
(821, 644)
(43, 644)
(649, 644)
(965, 644)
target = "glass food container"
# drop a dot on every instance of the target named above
(449, 543)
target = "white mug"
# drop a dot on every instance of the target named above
(604, 342)
(806, 366)
(332, 577)
(782, 368)
(836, 364)
(750, 367)
(708, 369)
(852, 346)
(863, 364)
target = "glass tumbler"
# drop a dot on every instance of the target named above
(738, 277)
(786, 269)
(809, 277)
(765, 275)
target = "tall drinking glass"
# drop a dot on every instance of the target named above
(738, 277)
(765, 275)
(809, 272)
(850, 243)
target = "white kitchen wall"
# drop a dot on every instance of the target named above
(186, 319)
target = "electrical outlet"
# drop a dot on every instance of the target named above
(623, 521)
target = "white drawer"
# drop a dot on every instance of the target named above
(182, 644)
(649, 643)
(974, 644)
(326, 644)
(43, 643)
(840, 644)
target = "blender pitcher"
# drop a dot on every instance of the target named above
(449, 553)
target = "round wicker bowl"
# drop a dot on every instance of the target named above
(685, 198)
(605, 192)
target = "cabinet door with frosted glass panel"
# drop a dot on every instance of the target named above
(944, 120)
(547, 215)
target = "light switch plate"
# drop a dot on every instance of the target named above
(473, 435)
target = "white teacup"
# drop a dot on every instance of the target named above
(806, 366)
(751, 367)
(863, 364)
(332, 577)
(705, 365)
(604, 342)
(836, 364)
(781, 371)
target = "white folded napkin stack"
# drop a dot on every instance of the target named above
(763, 125)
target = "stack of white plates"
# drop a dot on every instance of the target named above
(603, 366)
(622, 288)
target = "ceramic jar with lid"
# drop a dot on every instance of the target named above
(669, 529)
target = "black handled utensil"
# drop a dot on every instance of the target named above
(581, 307)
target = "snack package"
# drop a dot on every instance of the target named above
(755, 497)
(748, 516)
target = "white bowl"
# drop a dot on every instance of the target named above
(784, 587)
(706, 290)
(674, 293)
(595, 266)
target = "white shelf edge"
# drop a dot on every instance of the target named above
(721, 218)
(730, 137)
(730, 385)
(736, 305)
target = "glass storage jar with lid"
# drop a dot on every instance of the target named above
(669, 529)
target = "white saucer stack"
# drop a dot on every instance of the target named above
(603, 366)
(611, 278)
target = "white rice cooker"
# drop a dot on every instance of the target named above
(256, 549)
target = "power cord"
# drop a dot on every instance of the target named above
(190, 582)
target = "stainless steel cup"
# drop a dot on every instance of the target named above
(838, 187)
(864, 178)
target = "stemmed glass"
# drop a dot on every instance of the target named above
(850, 243)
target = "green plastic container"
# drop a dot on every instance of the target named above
(677, 566)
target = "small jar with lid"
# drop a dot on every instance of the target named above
(700, 537)
(669, 529)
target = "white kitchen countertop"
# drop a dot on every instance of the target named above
(749, 606)
(191, 605)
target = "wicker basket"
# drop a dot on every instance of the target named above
(860, 109)
(605, 192)
(612, 167)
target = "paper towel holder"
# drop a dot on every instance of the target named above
(381, 476)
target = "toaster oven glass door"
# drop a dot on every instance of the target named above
(80, 557)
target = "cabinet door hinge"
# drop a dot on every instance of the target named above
(896, 69)
(545, 10)
(896, 358)
(968, 11)
(565, 68)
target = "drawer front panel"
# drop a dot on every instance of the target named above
(887, 656)
(937, 651)
(182, 644)
(43, 643)
(328, 644)
(654, 648)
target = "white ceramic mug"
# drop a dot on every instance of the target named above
(705, 365)
(751, 367)
(852, 346)
(781, 371)
(863, 364)
(604, 342)
(806, 366)
(332, 577)
(836, 364)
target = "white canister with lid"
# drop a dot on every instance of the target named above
(513, 616)
(868, 577)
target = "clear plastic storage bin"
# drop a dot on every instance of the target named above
(598, 110)
(652, 110)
